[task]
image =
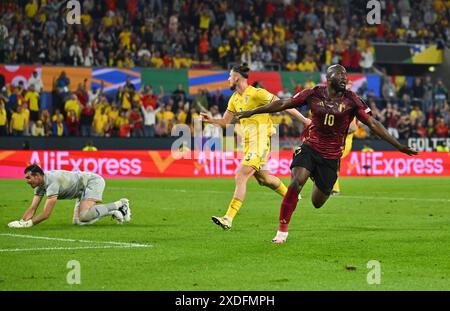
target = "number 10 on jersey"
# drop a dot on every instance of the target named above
(329, 119)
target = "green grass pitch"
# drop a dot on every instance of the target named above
(404, 223)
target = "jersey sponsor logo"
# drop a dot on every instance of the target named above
(341, 107)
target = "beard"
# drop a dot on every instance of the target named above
(233, 86)
(336, 86)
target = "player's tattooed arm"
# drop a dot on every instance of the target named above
(382, 132)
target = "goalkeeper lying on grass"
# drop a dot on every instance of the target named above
(86, 188)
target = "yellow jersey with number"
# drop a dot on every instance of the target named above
(258, 124)
(257, 129)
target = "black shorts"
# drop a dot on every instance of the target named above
(323, 171)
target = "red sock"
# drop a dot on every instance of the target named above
(287, 208)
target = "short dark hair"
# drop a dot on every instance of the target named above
(34, 169)
(243, 70)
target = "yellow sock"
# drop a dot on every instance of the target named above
(281, 190)
(233, 208)
(336, 185)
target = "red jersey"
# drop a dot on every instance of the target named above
(331, 118)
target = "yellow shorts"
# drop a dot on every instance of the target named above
(256, 157)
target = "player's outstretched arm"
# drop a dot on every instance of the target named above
(29, 213)
(275, 106)
(26, 218)
(296, 114)
(48, 208)
(227, 118)
(382, 132)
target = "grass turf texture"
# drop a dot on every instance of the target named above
(403, 223)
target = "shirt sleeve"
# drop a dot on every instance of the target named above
(231, 106)
(362, 111)
(39, 191)
(263, 96)
(52, 189)
(300, 98)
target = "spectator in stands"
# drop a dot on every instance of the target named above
(26, 117)
(389, 91)
(36, 81)
(73, 104)
(57, 114)
(441, 129)
(82, 93)
(63, 84)
(86, 120)
(37, 129)
(59, 127)
(442, 147)
(440, 92)
(32, 99)
(179, 94)
(363, 91)
(18, 122)
(366, 147)
(46, 122)
(367, 59)
(90, 146)
(123, 125)
(392, 118)
(218, 100)
(404, 126)
(212, 133)
(72, 124)
(3, 120)
(418, 91)
(136, 122)
(428, 93)
(100, 122)
(405, 93)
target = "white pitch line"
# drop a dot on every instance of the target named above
(123, 244)
(61, 248)
(271, 194)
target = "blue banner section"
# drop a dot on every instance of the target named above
(113, 78)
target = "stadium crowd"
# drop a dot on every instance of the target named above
(294, 35)
(417, 110)
(282, 34)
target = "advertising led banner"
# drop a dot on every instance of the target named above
(165, 164)
(392, 53)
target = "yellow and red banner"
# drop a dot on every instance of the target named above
(165, 164)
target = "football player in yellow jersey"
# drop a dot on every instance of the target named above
(256, 139)
(348, 147)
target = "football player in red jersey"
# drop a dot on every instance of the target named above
(333, 109)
